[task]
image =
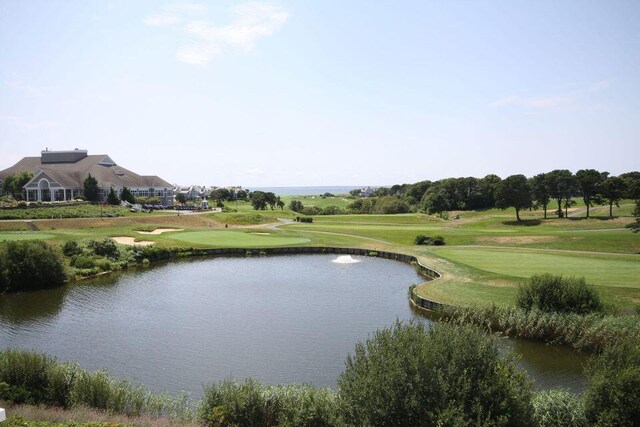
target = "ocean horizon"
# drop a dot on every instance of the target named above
(307, 191)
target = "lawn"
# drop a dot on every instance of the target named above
(599, 270)
(24, 235)
(243, 239)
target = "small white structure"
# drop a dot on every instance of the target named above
(345, 259)
(3, 416)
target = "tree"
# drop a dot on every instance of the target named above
(13, 184)
(259, 200)
(220, 194)
(632, 185)
(514, 191)
(279, 203)
(611, 190)
(435, 201)
(242, 194)
(181, 198)
(126, 195)
(296, 205)
(91, 190)
(588, 181)
(112, 197)
(448, 375)
(562, 187)
(540, 191)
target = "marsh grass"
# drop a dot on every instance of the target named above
(28, 377)
(590, 332)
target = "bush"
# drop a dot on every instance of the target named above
(333, 210)
(71, 248)
(30, 265)
(614, 386)
(83, 262)
(421, 239)
(250, 403)
(306, 219)
(106, 247)
(553, 408)
(406, 375)
(551, 293)
(311, 210)
(233, 403)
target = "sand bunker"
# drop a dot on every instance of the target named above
(345, 259)
(160, 230)
(130, 241)
(262, 234)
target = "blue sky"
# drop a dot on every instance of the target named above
(324, 92)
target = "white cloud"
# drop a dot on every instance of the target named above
(552, 102)
(251, 22)
(29, 90)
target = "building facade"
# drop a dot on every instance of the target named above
(60, 176)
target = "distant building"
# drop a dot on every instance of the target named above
(367, 192)
(191, 192)
(60, 175)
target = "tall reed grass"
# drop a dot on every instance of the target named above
(591, 332)
(33, 378)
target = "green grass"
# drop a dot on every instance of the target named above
(24, 235)
(241, 239)
(599, 270)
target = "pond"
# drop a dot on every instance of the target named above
(279, 319)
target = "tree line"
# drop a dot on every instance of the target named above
(556, 188)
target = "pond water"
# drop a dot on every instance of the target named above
(279, 319)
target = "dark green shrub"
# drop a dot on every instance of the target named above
(551, 293)
(242, 402)
(613, 396)
(30, 265)
(105, 247)
(60, 381)
(311, 210)
(438, 241)
(71, 248)
(83, 262)
(407, 375)
(333, 210)
(421, 239)
(552, 408)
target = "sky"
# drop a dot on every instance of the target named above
(294, 93)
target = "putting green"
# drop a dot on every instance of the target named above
(24, 235)
(608, 270)
(256, 239)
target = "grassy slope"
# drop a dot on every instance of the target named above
(486, 257)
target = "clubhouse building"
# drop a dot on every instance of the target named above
(60, 175)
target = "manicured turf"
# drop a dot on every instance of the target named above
(224, 238)
(608, 270)
(24, 235)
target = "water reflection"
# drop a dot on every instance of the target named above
(280, 319)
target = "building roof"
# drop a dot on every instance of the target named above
(71, 174)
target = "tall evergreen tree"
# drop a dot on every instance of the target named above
(562, 186)
(112, 198)
(91, 190)
(126, 195)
